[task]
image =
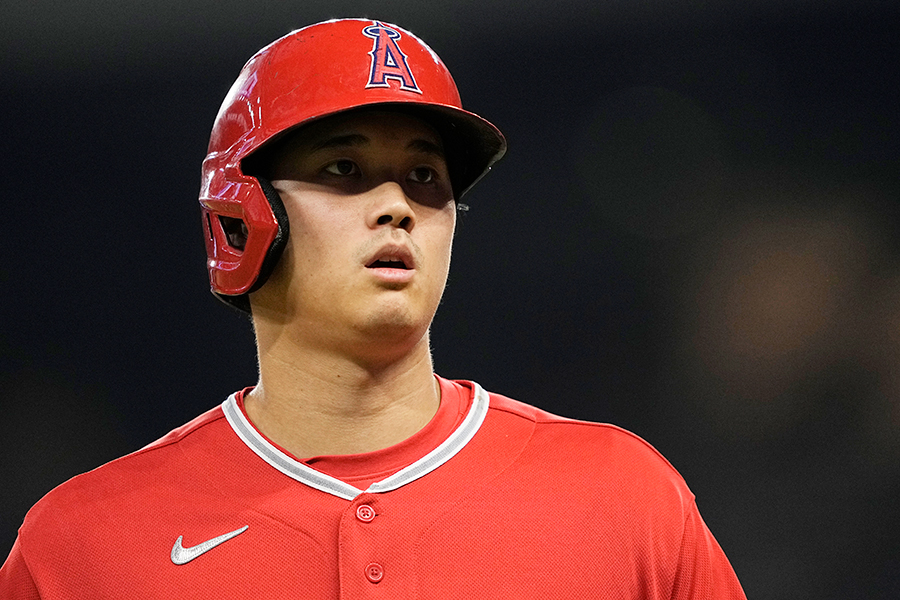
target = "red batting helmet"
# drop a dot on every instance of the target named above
(308, 74)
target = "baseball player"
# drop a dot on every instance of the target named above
(350, 470)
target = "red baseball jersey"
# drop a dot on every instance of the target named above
(492, 499)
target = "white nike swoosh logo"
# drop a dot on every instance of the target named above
(182, 555)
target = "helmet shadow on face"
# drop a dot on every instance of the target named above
(368, 176)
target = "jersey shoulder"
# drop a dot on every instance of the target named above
(125, 476)
(560, 442)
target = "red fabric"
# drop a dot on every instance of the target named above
(15, 578)
(535, 506)
(361, 470)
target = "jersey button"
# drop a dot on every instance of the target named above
(374, 572)
(365, 513)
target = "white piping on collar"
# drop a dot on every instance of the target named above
(331, 485)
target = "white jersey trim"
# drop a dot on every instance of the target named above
(331, 485)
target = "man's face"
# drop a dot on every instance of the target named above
(372, 217)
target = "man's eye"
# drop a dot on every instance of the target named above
(422, 175)
(342, 167)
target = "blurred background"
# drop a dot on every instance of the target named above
(693, 236)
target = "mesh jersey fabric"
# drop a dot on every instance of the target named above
(533, 505)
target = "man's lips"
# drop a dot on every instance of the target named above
(388, 264)
(393, 265)
(392, 257)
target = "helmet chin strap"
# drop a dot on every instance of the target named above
(242, 301)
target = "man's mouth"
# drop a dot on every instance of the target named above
(388, 264)
(392, 257)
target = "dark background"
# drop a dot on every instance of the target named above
(693, 236)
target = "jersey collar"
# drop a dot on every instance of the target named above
(331, 485)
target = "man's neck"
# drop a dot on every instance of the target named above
(315, 403)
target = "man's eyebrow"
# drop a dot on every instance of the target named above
(421, 145)
(357, 139)
(338, 141)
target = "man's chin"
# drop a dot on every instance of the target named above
(394, 322)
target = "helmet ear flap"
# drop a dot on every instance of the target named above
(276, 248)
(281, 238)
